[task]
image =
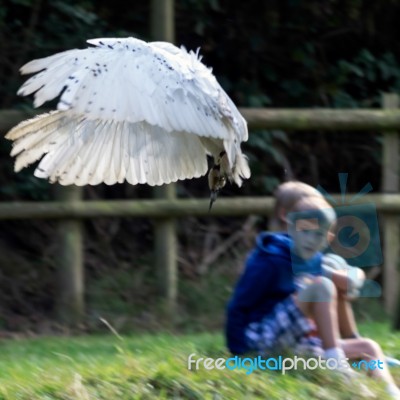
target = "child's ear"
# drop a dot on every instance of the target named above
(282, 219)
(282, 215)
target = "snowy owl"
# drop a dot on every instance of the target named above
(130, 110)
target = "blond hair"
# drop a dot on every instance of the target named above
(309, 203)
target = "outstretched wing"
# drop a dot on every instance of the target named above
(134, 81)
(128, 110)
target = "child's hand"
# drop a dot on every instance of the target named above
(337, 269)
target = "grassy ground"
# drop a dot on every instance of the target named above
(155, 366)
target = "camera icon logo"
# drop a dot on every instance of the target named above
(357, 237)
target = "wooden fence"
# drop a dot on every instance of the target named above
(69, 209)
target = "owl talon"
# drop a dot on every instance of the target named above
(216, 181)
(213, 197)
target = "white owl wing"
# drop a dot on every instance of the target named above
(128, 110)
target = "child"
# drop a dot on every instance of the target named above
(274, 307)
(286, 195)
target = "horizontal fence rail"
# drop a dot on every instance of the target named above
(287, 119)
(136, 208)
(322, 119)
(179, 208)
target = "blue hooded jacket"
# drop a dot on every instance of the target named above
(268, 279)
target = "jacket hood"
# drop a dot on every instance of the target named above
(273, 242)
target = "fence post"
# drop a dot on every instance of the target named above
(163, 28)
(70, 301)
(391, 232)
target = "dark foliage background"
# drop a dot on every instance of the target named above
(277, 53)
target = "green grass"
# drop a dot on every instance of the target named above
(155, 366)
